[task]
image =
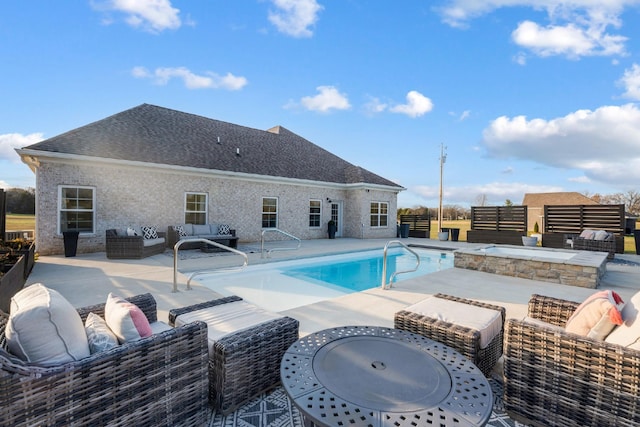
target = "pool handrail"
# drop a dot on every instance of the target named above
(291, 236)
(209, 242)
(386, 285)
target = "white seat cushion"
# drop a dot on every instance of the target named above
(488, 322)
(226, 319)
(44, 328)
(152, 242)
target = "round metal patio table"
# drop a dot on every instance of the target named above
(377, 376)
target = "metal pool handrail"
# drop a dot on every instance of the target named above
(386, 285)
(291, 236)
(219, 245)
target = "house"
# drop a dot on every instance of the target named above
(151, 165)
(535, 203)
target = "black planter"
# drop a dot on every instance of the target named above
(404, 231)
(636, 237)
(70, 243)
(454, 234)
(331, 230)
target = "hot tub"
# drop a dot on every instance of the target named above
(567, 267)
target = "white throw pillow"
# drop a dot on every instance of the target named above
(100, 337)
(44, 328)
(628, 334)
(601, 235)
(125, 319)
(587, 234)
(131, 232)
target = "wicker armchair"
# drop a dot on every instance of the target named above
(156, 381)
(245, 363)
(554, 378)
(131, 247)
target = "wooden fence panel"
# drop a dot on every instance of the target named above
(499, 218)
(419, 225)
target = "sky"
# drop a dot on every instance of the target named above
(522, 96)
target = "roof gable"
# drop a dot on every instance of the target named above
(153, 134)
(554, 199)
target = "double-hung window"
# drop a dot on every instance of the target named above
(314, 213)
(379, 214)
(195, 208)
(76, 210)
(269, 212)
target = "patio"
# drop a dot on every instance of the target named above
(88, 278)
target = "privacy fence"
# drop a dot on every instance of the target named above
(498, 224)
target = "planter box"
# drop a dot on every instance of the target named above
(11, 282)
(29, 252)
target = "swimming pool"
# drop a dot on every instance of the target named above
(283, 285)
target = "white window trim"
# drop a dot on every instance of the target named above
(262, 212)
(379, 214)
(206, 205)
(93, 202)
(319, 214)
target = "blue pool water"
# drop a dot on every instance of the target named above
(283, 285)
(364, 271)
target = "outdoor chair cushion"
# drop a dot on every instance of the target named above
(597, 315)
(151, 242)
(44, 328)
(488, 322)
(201, 229)
(99, 335)
(628, 333)
(227, 319)
(125, 319)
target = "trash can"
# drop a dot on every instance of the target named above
(636, 237)
(443, 234)
(70, 243)
(404, 230)
(454, 233)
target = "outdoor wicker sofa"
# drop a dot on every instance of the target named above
(156, 381)
(245, 363)
(118, 246)
(608, 245)
(555, 378)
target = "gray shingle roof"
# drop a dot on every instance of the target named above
(153, 134)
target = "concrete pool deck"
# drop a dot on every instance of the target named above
(88, 278)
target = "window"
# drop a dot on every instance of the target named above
(77, 209)
(379, 214)
(195, 208)
(314, 213)
(269, 212)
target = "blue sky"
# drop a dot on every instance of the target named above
(527, 96)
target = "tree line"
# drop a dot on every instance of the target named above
(20, 201)
(630, 200)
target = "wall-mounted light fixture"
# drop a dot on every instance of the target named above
(328, 200)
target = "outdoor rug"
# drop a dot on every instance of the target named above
(275, 410)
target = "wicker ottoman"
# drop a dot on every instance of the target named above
(246, 345)
(444, 319)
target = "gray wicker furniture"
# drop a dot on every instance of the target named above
(156, 381)
(608, 245)
(131, 247)
(173, 237)
(245, 363)
(463, 339)
(554, 378)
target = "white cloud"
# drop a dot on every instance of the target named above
(631, 82)
(577, 28)
(328, 98)
(496, 192)
(294, 17)
(580, 179)
(604, 143)
(416, 106)
(10, 141)
(150, 15)
(374, 106)
(209, 80)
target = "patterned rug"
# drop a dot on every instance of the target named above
(275, 410)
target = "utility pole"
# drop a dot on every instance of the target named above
(443, 159)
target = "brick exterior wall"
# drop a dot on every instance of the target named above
(136, 196)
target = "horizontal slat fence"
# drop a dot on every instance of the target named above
(575, 218)
(563, 220)
(499, 218)
(419, 225)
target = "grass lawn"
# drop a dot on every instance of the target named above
(20, 222)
